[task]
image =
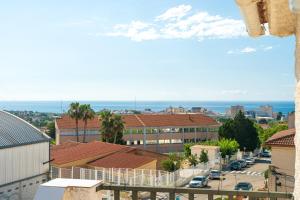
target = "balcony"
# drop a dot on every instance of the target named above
(189, 193)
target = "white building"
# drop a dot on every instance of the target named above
(24, 158)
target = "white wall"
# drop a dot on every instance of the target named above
(22, 162)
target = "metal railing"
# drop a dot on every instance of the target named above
(132, 177)
(173, 193)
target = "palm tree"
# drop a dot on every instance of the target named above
(75, 113)
(112, 127)
(87, 114)
(118, 127)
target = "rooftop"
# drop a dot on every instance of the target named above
(122, 160)
(145, 120)
(282, 138)
(100, 154)
(63, 182)
(14, 131)
(73, 151)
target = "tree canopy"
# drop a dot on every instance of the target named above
(203, 157)
(265, 134)
(112, 127)
(173, 163)
(242, 130)
(75, 113)
(87, 114)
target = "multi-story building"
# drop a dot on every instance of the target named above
(156, 132)
(235, 110)
(175, 110)
(24, 158)
(266, 111)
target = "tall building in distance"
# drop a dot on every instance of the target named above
(234, 110)
(266, 110)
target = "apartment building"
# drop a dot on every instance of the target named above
(156, 132)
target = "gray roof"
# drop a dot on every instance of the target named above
(14, 131)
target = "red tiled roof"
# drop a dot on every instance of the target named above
(121, 160)
(145, 120)
(282, 138)
(73, 151)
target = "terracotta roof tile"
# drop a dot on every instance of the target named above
(282, 138)
(72, 151)
(148, 120)
(121, 160)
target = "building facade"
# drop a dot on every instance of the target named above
(24, 158)
(234, 110)
(155, 132)
(282, 170)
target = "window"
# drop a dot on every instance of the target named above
(151, 141)
(176, 141)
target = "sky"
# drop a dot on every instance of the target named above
(194, 50)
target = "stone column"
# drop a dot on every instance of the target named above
(297, 111)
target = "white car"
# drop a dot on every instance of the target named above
(199, 182)
(250, 161)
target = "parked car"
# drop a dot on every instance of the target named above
(265, 154)
(243, 186)
(235, 166)
(215, 174)
(199, 182)
(243, 163)
(250, 161)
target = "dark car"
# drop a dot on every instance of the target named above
(215, 174)
(235, 166)
(245, 186)
(243, 163)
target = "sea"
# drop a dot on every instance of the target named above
(156, 106)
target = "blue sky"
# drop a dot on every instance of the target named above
(148, 50)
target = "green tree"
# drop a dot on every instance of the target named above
(228, 147)
(242, 130)
(112, 127)
(279, 116)
(193, 160)
(265, 134)
(187, 150)
(51, 129)
(87, 114)
(203, 157)
(75, 113)
(172, 164)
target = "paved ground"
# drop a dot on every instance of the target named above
(253, 174)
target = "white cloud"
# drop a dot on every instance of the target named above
(180, 23)
(268, 48)
(174, 13)
(248, 50)
(136, 30)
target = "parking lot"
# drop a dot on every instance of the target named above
(253, 174)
